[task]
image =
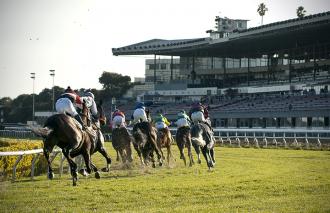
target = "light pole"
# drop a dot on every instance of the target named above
(52, 73)
(33, 76)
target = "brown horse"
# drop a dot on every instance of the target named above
(183, 139)
(165, 140)
(64, 131)
(145, 143)
(121, 142)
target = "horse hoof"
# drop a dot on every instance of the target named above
(199, 161)
(51, 176)
(153, 165)
(74, 182)
(105, 169)
(97, 175)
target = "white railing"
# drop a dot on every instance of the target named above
(36, 153)
(265, 135)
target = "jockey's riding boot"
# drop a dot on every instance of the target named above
(78, 118)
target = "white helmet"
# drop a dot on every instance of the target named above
(89, 94)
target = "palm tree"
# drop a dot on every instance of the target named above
(301, 12)
(262, 10)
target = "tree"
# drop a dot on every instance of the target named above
(262, 10)
(114, 84)
(301, 12)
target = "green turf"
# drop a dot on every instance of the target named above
(244, 180)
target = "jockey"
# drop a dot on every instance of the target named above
(118, 119)
(183, 119)
(88, 99)
(139, 113)
(66, 104)
(200, 113)
(161, 122)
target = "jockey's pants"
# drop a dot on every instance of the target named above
(118, 121)
(64, 105)
(139, 114)
(197, 117)
(182, 122)
(160, 125)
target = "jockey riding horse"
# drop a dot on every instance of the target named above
(145, 136)
(64, 131)
(202, 134)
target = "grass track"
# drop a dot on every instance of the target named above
(244, 180)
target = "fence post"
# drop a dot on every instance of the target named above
(35, 157)
(15, 165)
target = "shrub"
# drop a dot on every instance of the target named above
(24, 166)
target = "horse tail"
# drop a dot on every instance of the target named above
(41, 132)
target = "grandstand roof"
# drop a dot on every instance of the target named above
(253, 41)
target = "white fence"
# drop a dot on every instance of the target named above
(266, 136)
(36, 153)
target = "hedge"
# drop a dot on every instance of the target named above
(24, 166)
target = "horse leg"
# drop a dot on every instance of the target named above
(117, 158)
(129, 153)
(212, 155)
(191, 160)
(182, 156)
(159, 152)
(73, 165)
(152, 159)
(206, 154)
(198, 152)
(105, 154)
(97, 174)
(47, 151)
(122, 155)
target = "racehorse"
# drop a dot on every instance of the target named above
(201, 140)
(164, 140)
(121, 142)
(183, 139)
(101, 121)
(145, 142)
(65, 132)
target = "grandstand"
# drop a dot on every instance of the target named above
(274, 75)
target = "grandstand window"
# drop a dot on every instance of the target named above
(285, 61)
(263, 62)
(252, 62)
(244, 62)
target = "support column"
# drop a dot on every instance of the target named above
(171, 67)
(290, 69)
(155, 63)
(315, 64)
(248, 74)
(268, 69)
(224, 72)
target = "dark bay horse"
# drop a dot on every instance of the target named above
(64, 131)
(165, 140)
(145, 143)
(183, 139)
(200, 140)
(121, 142)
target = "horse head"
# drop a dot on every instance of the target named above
(101, 115)
(85, 114)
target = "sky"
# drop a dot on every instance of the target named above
(75, 37)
